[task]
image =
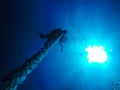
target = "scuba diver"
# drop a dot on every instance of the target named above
(52, 35)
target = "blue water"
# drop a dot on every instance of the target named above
(87, 21)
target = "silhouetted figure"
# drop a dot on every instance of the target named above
(52, 35)
(62, 41)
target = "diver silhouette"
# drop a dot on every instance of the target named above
(52, 35)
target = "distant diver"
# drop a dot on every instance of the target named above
(52, 35)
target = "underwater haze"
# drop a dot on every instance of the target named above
(88, 22)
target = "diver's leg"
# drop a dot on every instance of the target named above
(61, 46)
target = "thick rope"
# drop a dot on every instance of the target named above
(15, 78)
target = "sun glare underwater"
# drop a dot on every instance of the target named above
(96, 54)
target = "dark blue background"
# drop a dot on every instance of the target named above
(85, 20)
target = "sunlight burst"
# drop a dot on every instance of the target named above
(96, 54)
